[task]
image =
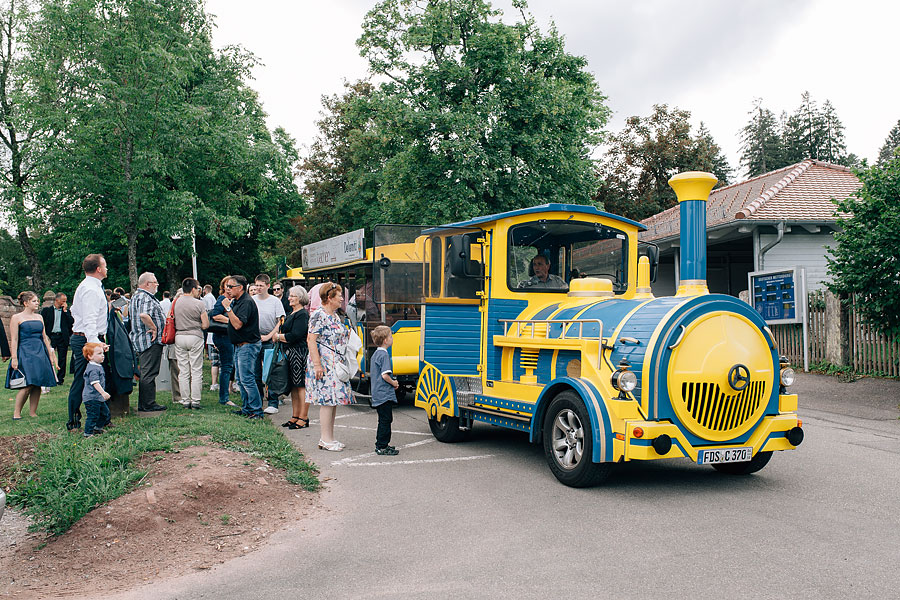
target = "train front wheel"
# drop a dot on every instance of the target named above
(568, 443)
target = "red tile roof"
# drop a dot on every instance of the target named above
(800, 192)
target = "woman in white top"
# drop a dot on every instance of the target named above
(190, 321)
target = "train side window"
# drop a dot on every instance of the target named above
(437, 262)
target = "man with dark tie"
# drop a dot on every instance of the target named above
(58, 325)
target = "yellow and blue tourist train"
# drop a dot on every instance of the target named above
(542, 320)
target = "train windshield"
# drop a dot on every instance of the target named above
(544, 256)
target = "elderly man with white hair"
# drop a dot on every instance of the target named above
(147, 322)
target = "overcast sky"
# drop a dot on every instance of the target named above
(710, 57)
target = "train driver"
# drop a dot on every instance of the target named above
(543, 279)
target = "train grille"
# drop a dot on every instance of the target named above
(713, 410)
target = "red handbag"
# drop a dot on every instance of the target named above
(168, 334)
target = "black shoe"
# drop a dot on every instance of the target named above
(154, 408)
(238, 412)
(254, 417)
(388, 451)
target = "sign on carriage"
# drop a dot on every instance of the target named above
(338, 250)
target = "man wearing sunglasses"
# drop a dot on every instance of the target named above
(243, 331)
(278, 292)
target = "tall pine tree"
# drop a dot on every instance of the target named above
(891, 144)
(761, 150)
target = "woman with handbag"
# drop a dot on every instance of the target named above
(218, 326)
(293, 336)
(33, 362)
(326, 339)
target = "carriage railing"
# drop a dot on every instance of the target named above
(544, 331)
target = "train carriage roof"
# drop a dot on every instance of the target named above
(552, 207)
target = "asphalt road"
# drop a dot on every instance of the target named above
(486, 519)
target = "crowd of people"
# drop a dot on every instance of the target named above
(116, 337)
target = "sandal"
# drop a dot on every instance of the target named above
(333, 446)
(291, 423)
(298, 425)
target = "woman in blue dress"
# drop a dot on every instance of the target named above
(32, 355)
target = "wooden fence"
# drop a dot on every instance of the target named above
(871, 352)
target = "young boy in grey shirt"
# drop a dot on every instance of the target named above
(384, 387)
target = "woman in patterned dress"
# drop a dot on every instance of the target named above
(327, 339)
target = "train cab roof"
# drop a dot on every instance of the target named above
(551, 207)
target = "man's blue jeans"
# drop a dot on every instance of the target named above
(245, 373)
(226, 365)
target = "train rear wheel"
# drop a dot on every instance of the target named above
(745, 468)
(447, 430)
(569, 443)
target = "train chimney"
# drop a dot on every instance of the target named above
(692, 189)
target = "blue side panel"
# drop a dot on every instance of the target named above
(563, 358)
(545, 359)
(555, 330)
(498, 309)
(641, 326)
(453, 338)
(524, 407)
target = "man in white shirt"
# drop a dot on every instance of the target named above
(166, 303)
(210, 301)
(89, 310)
(270, 311)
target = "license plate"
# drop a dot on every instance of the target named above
(716, 456)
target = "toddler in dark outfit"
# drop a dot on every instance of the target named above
(94, 397)
(384, 388)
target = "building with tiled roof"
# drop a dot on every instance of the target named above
(780, 219)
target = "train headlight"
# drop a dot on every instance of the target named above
(624, 380)
(787, 376)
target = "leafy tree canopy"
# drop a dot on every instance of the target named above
(162, 137)
(866, 261)
(466, 115)
(646, 153)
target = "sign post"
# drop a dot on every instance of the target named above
(338, 250)
(779, 296)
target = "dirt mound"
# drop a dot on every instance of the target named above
(196, 508)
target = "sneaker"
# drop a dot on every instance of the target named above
(45, 390)
(214, 387)
(235, 388)
(389, 451)
(195, 406)
(238, 412)
(254, 417)
(270, 410)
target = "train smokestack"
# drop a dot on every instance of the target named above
(692, 189)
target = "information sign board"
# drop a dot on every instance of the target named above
(341, 249)
(779, 296)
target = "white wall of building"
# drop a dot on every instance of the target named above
(800, 248)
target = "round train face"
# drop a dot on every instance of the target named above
(720, 375)
(704, 363)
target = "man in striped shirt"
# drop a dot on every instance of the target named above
(147, 323)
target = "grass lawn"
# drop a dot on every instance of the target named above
(69, 474)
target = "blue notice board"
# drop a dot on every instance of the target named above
(775, 294)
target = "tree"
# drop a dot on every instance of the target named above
(476, 116)
(761, 142)
(891, 143)
(19, 136)
(640, 160)
(866, 261)
(813, 133)
(162, 140)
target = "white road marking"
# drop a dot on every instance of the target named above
(415, 462)
(393, 431)
(351, 459)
